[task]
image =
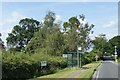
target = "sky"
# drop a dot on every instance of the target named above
(104, 15)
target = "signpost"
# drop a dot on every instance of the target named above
(43, 63)
(96, 57)
(116, 54)
(79, 56)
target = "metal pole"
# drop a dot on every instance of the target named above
(77, 58)
(115, 54)
(80, 61)
(72, 60)
(115, 48)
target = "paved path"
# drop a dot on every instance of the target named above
(108, 69)
(75, 74)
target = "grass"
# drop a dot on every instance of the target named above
(118, 59)
(89, 72)
(60, 73)
(86, 72)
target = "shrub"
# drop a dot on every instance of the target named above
(24, 66)
(87, 58)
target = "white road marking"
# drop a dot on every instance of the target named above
(98, 72)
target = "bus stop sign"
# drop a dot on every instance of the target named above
(43, 63)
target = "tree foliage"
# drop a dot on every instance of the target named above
(100, 46)
(107, 47)
(77, 33)
(48, 39)
(22, 66)
(44, 42)
(115, 41)
(22, 33)
(49, 19)
(51, 40)
(100, 43)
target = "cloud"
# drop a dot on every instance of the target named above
(1, 24)
(14, 17)
(42, 21)
(112, 23)
(83, 22)
(7, 23)
(92, 36)
(58, 18)
(108, 36)
(111, 35)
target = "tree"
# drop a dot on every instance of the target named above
(54, 42)
(77, 33)
(115, 41)
(49, 19)
(100, 43)
(49, 39)
(22, 33)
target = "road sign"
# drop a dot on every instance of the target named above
(65, 55)
(43, 63)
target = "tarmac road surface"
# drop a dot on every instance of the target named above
(108, 70)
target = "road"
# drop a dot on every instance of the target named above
(108, 69)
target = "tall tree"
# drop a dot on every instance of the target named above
(100, 43)
(49, 19)
(77, 32)
(115, 41)
(48, 39)
(22, 33)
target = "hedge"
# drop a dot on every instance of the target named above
(25, 66)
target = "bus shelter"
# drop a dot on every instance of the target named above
(72, 58)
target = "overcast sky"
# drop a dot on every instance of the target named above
(104, 15)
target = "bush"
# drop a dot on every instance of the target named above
(88, 58)
(25, 66)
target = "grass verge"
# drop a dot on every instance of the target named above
(85, 72)
(89, 71)
(118, 59)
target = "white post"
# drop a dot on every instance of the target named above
(80, 61)
(79, 56)
(116, 54)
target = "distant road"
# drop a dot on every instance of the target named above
(108, 69)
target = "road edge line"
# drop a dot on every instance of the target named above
(95, 73)
(98, 70)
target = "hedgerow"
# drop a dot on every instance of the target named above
(25, 66)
